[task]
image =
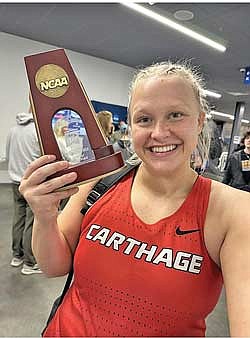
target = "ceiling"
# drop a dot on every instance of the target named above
(116, 33)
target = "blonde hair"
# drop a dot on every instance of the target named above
(105, 118)
(58, 127)
(191, 74)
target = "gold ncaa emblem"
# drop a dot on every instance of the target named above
(52, 81)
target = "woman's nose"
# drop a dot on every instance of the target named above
(161, 130)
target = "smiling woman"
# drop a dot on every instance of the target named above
(177, 109)
(150, 256)
(165, 122)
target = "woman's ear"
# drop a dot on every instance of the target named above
(201, 120)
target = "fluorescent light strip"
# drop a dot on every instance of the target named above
(221, 114)
(174, 25)
(212, 94)
(231, 117)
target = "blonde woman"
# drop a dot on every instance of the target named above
(151, 255)
(106, 122)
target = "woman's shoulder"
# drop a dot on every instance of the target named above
(226, 191)
(228, 214)
(228, 202)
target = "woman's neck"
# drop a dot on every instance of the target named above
(178, 181)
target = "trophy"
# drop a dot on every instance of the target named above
(65, 119)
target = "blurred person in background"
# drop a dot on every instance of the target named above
(122, 143)
(123, 126)
(105, 119)
(237, 172)
(22, 148)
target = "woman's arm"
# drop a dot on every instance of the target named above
(235, 261)
(54, 240)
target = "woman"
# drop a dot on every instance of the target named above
(151, 253)
(106, 122)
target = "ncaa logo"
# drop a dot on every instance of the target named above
(52, 81)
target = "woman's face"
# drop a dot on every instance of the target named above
(165, 122)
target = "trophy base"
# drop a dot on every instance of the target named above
(94, 170)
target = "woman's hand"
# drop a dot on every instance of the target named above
(41, 194)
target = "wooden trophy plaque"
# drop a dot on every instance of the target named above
(65, 120)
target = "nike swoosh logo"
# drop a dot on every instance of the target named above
(185, 232)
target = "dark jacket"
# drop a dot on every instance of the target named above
(234, 175)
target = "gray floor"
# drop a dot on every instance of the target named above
(25, 301)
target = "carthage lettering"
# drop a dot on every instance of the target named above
(181, 260)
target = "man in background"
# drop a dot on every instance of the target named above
(237, 172)
(22, 148)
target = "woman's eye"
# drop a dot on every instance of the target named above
(175, 115)
(143, 119)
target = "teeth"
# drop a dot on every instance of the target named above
(163, 149)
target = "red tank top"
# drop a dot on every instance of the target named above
(136, 279)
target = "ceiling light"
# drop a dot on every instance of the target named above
(183, 15)
(231, 117)
(212, 94)
(238, 93)
(168, 22)
(214, 112)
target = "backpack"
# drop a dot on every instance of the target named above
(98, 190)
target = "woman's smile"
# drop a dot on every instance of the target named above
(162, 151)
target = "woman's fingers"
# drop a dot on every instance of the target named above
(42, 173)
(38, 171)
(34, 181)
(40, 192)
(60, 195)
(55, 183)
(57, 196)
(41, 161)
